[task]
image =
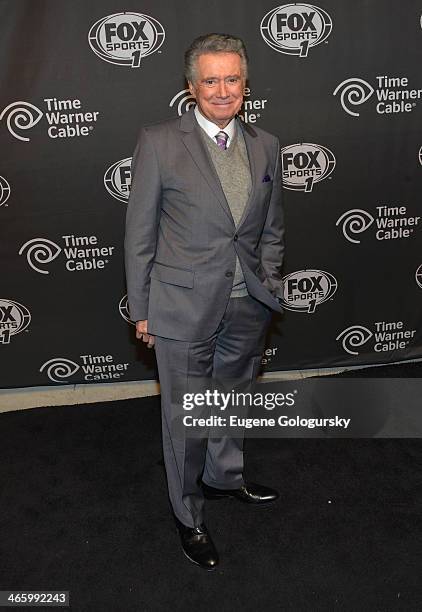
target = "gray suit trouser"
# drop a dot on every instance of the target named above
(229, 359)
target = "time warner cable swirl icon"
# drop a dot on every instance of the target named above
(184, 101)
(353, 337)
(353, 92)
(59, 369)
(22, 116)
(354, 221)
(40, 251)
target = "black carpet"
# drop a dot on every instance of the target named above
(84, 508)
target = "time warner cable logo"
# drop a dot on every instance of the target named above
(125, 38)
(182, 101)
(82, 253)
(40, 251)
(295, 28)
(387, 336)
(59, 369)
(65, 118)
(354, 222)
(392, 94)
(20, 115)
(390, 223)
(353, 92)
(94, 368)
(354, 337)
(304, 290)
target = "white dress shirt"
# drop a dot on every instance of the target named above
(212, 129)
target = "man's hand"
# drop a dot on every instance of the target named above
(142, 333)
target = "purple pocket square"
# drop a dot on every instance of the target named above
(266, 178)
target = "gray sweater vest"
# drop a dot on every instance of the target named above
(232, 167)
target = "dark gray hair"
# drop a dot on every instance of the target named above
(214, 43)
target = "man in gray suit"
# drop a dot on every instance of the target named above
(204, 249)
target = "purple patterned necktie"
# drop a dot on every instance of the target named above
(222, 138)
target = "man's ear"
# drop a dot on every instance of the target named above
(191, 89)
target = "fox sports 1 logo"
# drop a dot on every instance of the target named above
(304, 290)
(125, 38)
(117, 179)
(305, 164)
(14, 318)
(4, 191)
(124, 310)
(295, 28)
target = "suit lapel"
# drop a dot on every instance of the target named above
(193, 142)
(257, 160)
(256, 155)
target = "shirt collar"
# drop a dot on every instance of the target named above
(212, 129)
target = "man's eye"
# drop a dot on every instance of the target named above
(233, 80)
(210, 82)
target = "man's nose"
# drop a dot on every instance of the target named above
(222, 89)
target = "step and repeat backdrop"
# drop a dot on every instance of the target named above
(339, 83)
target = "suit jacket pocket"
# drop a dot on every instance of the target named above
(171, 275)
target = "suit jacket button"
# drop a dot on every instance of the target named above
(235, 237)
(229, 273)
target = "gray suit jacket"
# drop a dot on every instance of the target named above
(181, 241)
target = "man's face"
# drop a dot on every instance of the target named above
(219, 86)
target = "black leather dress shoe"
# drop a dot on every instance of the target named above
(197, 545)
(249, 493)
